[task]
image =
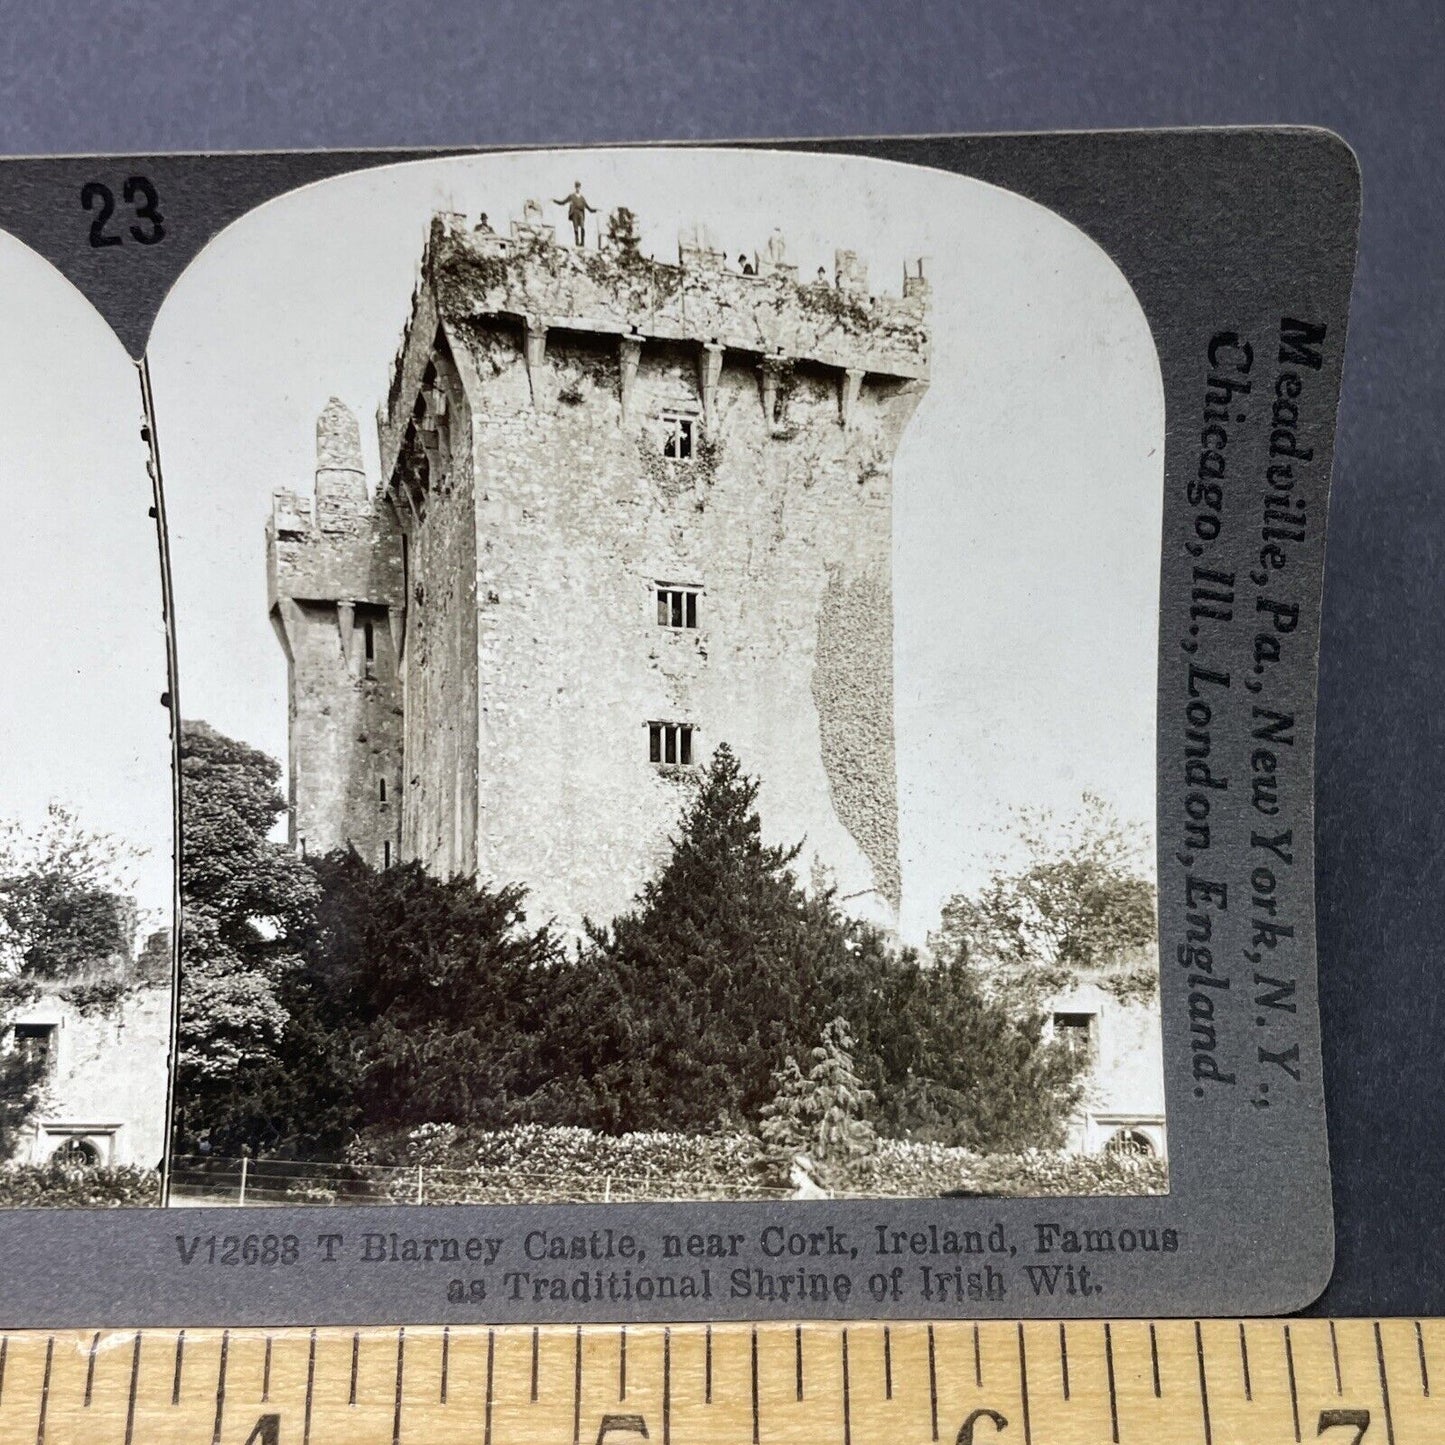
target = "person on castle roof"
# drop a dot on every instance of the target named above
(483, 226)
(745, 266)
(577, 208)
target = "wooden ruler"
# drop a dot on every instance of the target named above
(1165, 1382)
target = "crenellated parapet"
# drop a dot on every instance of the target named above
(762, 313)
(335, 548)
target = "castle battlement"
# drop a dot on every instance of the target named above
(628, 510)
(770, 318)
(335, 545)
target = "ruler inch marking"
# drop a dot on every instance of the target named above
(577, 1387)
(1203, 1384)
(1293, 1386)
(755, 1384)
(400, 1367)
(1113, 1392)
(311, 1386)
(176, 1377)
(45, 1392)
(134, 1382)
(220, 1387)
(310, 1389)
(1023, 1389)
(1384, 1386)
(90, 1370)
(933, 1384)
(47, 1388)
(491, 1357)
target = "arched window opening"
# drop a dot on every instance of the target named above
(78, 1153)
(1130, 1143)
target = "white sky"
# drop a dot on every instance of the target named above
(1028, 490)
(81, 721)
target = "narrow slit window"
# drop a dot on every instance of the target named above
(381, 789)
(369, 631)
(676, 606)
(670, 744)
(678, 435)
(35, 1043)
(386, 855)
(1075, 1031)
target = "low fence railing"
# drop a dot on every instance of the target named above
(209, 1180)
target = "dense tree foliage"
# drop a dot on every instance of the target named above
(1081, 901)
(426, 997)
(20, 1081)
(822, 1114)
(246, 900)
(64, 899)
(381, 1001)
(67, 923)
(952, 1065)
(685, 1005)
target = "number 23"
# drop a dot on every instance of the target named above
(140, 195)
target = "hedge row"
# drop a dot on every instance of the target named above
(59, 1186)
(534, 1162)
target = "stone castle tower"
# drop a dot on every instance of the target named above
(333, 566)
(628, 511)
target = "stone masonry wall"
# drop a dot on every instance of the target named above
(1124, 1086)
(579, 517)
(335, 589)
(440, 661)
(108, 1080)
(522, 445)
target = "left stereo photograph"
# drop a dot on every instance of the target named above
(86, 805)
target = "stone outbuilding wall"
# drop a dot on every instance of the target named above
(104, 1095)
(1123, 1101)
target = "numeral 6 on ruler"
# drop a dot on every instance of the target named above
(137, 193)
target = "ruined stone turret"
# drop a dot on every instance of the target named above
(640, 509)
(333, 563)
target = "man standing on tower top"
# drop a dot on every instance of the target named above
(577, 209)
